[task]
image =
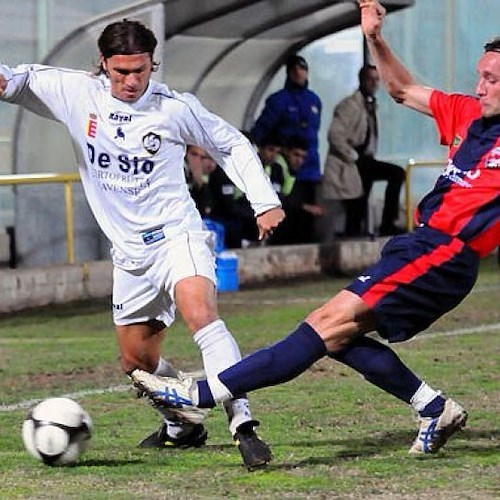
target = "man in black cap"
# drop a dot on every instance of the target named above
(295, 111)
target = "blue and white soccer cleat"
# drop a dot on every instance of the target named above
(435, 431)
(172, 393)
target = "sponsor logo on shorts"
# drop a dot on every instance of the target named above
(364, 279)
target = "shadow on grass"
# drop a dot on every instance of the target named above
(108, 462)
(364, 447)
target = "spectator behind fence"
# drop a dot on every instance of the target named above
(197, 166)
(351, 167)
(295, 110)
(301, 213)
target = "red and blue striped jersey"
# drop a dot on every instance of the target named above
(465, 201)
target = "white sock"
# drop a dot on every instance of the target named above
(423, 396)
(219, 351)
(175, 428)
(165, 369)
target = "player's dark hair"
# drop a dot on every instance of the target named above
(493, 45)
(125, 38)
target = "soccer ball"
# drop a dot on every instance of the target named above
(57, 431)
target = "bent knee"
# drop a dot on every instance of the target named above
(200, 318)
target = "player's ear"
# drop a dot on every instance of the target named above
(103, 64)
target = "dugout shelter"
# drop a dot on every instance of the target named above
(224, 51)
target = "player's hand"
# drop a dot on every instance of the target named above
(268, 221)
(372, 15)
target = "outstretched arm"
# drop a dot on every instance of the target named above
(396, 78)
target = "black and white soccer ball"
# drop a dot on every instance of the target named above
(57, 431)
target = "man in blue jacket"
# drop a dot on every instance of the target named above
(295, 111)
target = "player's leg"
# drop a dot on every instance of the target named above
(196, 301)
(423, 275)
(140, 346)
(335, 323)
(140, 339)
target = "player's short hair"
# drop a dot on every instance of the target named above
(126, 37)
(493, 45)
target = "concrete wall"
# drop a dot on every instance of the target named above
(25, 288)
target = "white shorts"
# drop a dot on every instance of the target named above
(145, 294)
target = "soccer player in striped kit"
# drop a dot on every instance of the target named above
(420, 276)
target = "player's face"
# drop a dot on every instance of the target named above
(488, 86)
(129, 75)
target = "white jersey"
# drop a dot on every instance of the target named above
(131, 155)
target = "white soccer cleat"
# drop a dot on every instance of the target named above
(171, 393)
(194, 376)
(435, 431)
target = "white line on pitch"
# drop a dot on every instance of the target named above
(122, 388)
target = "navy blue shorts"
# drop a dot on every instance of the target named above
(420, 276)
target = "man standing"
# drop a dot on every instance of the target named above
(130, 135)
(351, 166)
(295, 111)
(420, 276)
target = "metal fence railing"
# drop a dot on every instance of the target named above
(69, 178)
(410, 167)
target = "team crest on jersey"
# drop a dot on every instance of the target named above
(493, 159)
(151, 143)
(456, 141)
(92, 125)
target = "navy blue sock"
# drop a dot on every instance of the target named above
(434, 408)
(380, 365)
(205, 398)
(272, 365)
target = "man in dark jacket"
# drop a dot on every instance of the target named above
(295, 111)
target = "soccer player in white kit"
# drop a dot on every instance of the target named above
(129, 135)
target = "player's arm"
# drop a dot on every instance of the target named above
(38, 88)
(235, 155)
(397, 80)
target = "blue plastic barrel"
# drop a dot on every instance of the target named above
(227, 272)
(219, 232)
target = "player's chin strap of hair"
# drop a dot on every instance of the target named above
(493, 45)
